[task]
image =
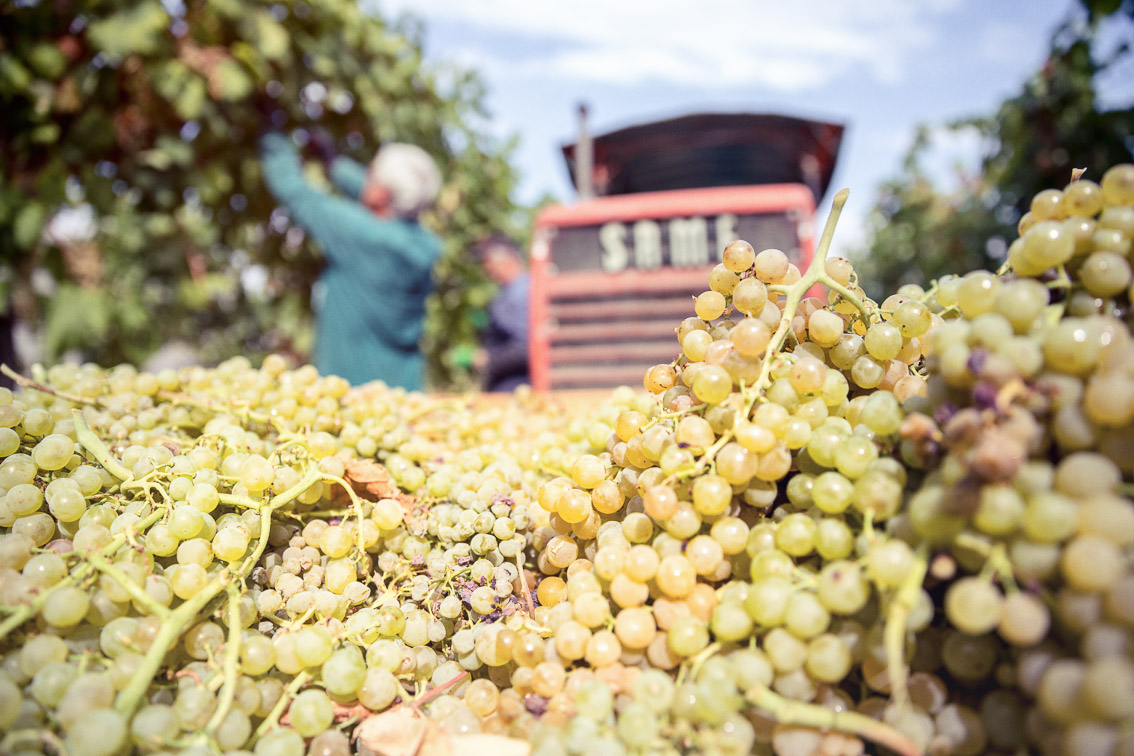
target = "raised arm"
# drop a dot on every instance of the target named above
(348, 176)
(321, 214)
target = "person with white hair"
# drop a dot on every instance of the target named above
(370, 303)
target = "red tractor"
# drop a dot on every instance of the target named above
(613, 272)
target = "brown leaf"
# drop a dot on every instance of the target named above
(372, 481)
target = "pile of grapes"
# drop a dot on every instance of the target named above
(830, 526)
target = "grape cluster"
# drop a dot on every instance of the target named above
(829, 526)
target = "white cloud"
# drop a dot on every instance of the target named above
(953, 156)
(713, 43)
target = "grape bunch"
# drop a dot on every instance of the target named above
(830, 526)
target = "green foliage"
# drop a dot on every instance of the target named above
(151, 120)
(1034, 140)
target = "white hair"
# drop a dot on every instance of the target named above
(411, 176)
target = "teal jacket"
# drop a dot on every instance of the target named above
(377, 276)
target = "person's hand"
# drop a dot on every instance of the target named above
(321, 145)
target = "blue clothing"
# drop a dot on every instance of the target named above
(506, 338)
(377, 276)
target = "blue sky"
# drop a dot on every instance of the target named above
(880, 67)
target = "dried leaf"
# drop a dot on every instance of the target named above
(404, 731)
(497, 745)
(372, 481)
(437, 742)
(396, 732)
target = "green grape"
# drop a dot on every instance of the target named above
(234, 730)
(833, 538)
(231, 543)
(878, 493)
(711, 494)
(379, 689)
(637, 725)
(768, 599)
(712, 384)
(99, 732)
(90, 691)
(66, 607)
(1024, 620)
(37, 422)
(203, 496)
(973, 606)
(805, 616)
(738, 256)
(771, 266)
(883, 341)
(185, 522)
(9, 441)
(695, 345)
(912, 318)
(188, 580)
(160, 540)
(795, 535)
(311, 712)
(1072, 346)
(53, 451)
(976, 293)
(282, 741)
(1091, 563)
(722, 279)
(1117, 185)
(709, 305)
(154, 726)
(842, 588)
(889, 562)
(193, 706)
(867, 372)
(881, 413)
(832, 492)
(854, 456)
(68, 505)
(24, 499)
(825, 328)
(730, 621)
(594, 701)
(828, 658)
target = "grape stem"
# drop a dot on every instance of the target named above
(439, 690)
(30, 736)
(80, 573)
(231, 664)
(131, 696)
(143, 599)
(816, 273)
(243, 413)
(897, 616)
(357, 504)
(524, 586)
(787, 711)
(173, 625)
(29, 383)
(277, 711)
(997, 564)
(693, 664)
(92, 443)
